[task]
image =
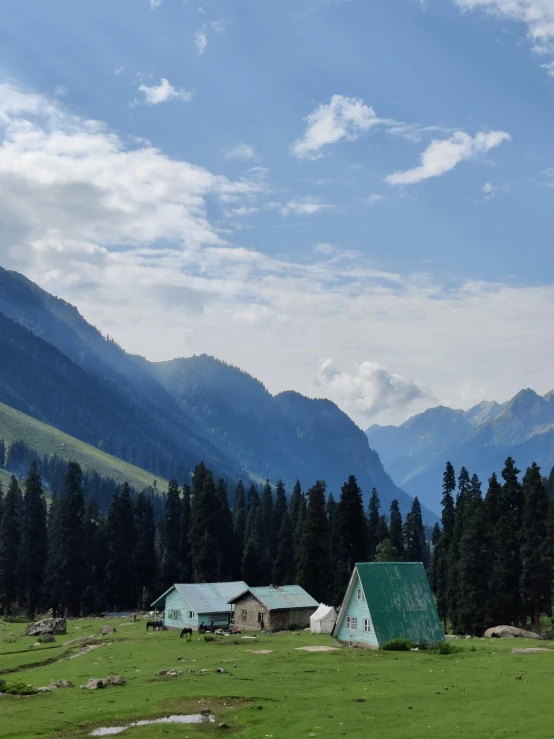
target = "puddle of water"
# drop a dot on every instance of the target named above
(194, 718)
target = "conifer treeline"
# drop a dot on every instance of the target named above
(73, 560)
(493, 559)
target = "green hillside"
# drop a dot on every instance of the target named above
(16, 426)
(5, 478)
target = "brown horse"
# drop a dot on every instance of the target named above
(154, 624)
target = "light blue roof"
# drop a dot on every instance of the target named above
(209, 597)
(283, 597)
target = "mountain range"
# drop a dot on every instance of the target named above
(481, 438)
(165, 417)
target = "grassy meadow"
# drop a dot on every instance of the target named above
(16, 426)
(284, 693)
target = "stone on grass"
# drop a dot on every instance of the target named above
(108, 630)
(47, 626)
(47, 638)
(511, 632)
(55, 685)
(531, 650)
(170, 673)
(96, 684)
(222, 671)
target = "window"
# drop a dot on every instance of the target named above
(367, 625)
(176, 615)
(261, 618)
(351, 623)
(244, 615)
(361, 595)
(190, 614)
(170, 615)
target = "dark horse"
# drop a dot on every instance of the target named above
(187, 631)
(154, 624)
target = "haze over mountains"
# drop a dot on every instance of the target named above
(166, 417)
(415, 453)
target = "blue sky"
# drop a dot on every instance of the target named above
(352, 199)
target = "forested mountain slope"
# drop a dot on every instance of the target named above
(166, 417)
(415, 453)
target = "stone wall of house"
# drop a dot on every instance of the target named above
(246, 613)
(297, 617)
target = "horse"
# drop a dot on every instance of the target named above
(187, 631)
(154, 624)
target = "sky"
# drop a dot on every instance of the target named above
(351, 199)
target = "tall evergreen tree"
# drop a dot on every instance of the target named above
(267, 509)
(441, 551)
(414, 535)
(350, 542)
(239, 514)
(224, 535)
(536, 566)
(2, 453)
(279, 509)
(505, 605)
(144, 555)
(10, 543)
(396, 529)
(185, 564)
(435, 538)
(382, 532)
(121, 538)
(170, 535)
(313, 564)
(373, 523)
(96, 557)
(67, 565)
(284, 567)
(204, 530)
(34, 542)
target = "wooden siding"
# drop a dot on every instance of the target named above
(248, 607)
(175, 602)
(360, 610)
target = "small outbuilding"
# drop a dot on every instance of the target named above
(323, 620)
(273, 607)
(388, 600)
(199, 603)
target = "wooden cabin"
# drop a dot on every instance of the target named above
(194, 604)
(388, 600)
(273, 607)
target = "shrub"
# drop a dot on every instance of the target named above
(209, 637)
(397, 645)
(16, 620)
(19, 689)
(445, 647)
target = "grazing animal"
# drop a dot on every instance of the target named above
(187, 631)
(154, 625)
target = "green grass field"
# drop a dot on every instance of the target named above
(283, 694)
(16, 426)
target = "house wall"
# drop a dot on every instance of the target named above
(358, 609)
(179, 608)
(246, 613)
(248, 608)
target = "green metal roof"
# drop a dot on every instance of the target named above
(400, 601)
(283, 597)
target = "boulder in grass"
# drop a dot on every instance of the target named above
(47, 626)
(47, 638)
(511, 632)
(105, 682)
(108, 630)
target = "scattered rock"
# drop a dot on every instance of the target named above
(108, 630)
(511, 632)
(222, 671)
(170, 673)
(359, 700)
(260, 651)
(55, 685)
(95, 684)
(223, 726)
(518, 677)
(47, 638)
(530, 650)
(47, 626)
(451, 636)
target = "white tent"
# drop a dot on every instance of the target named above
(323, 620)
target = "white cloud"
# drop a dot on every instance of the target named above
(343, 118)
(375, 198)
(118, 71)
(155, 4)
(443, 155)
(241, 151)
(368, 391)
(549, 68)
(126, 234)
(490, 191)
(324, 248)
(164, 92)
(200, 42)
(304, 206)
(536, 15)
